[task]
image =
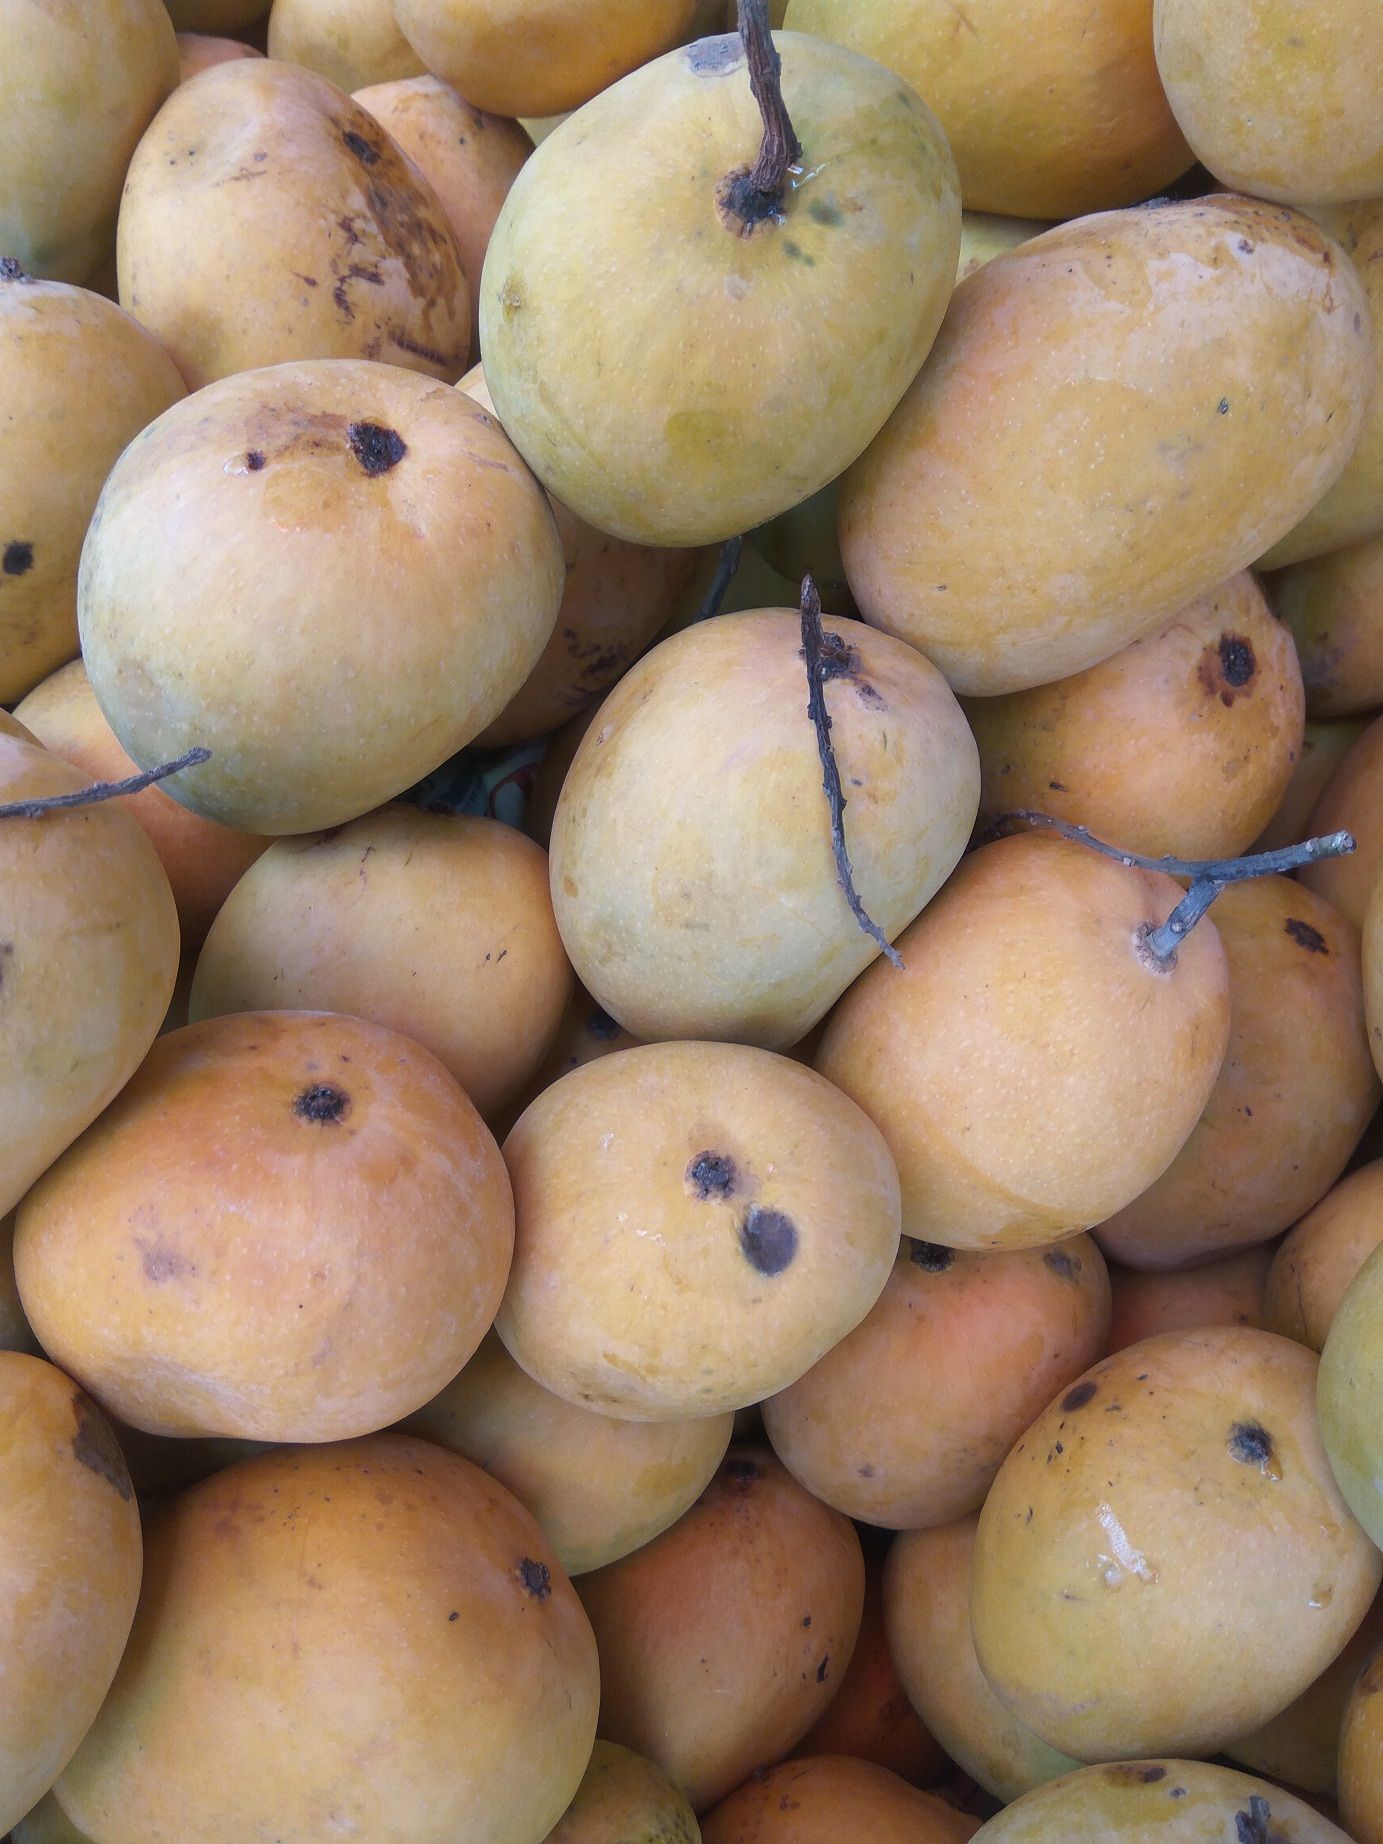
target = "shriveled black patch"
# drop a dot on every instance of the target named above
(322, 1102)
(375, 448)
(1078, 1397)
(94, 1446)
(254, 460)
(1251, 1827)
(18, 558)
(1250, 1443)
(712, 1174)
(1237, 662)
(536, 1578)
(769, 1240)
(1306, 937)
(931, 1257)
(365, 151)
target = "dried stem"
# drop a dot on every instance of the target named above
(101, 790)
(1209, 876)
(726, 565)
(754, 196)
(813, 651)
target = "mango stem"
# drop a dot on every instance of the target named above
(753, 197)
(101, 790)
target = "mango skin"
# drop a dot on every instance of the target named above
(70, 1561)
(623, 1796)
(1179, 383)
(1349, 1392)
(1277, 99)
(1052, 107)
(1333, 606)
(349, 42)
(1352, 801)
(1313, 1266)
(1132, 1801)
(765, 362)
(88, 957)
(80, 80)
(824, 1798)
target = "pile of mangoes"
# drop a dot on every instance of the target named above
(638, 1202)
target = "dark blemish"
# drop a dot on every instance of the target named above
(1067, 1266)
(322, 1102)
(1136, 1773)
(742, 1472)
(866, 1471)
(769, 1240)
(376, 449)
(94, 1446)
(806, 1619)
(1236, 659)
(822, 1669)
(600, 1024)
(536, 1578)
(712, 1174)
(1060, 1447)
(1251, 1827)
(357, 272)
(823, 213)
(1306, 937)
(19, 557)
(162, 1263)
(451, 1617)
(1250, 1443)
(433, 357)
(1058, 787)
(1246, 246)
(12, 270)
(797, 253)
(1222, 407)
(870, 696)
(931, 1257)
(254, 460)
(361, 148)
(1151, 1774)
(709, 55)
(1078, 1397)
(1177, 1792)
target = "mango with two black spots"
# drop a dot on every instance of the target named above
(1146, 1802)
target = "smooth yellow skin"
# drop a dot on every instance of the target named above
(1351, 801)
(70, 1558)
(1351, 1386)
(766, 362)
(825, 1798)
(616, 598)
(1165, 1559)
(692, 869)
(204, 861)
(89, 957)
(262, 1273)
(436, 925)
(600, 1488)
(1028, 1068)
(906, 1421)
(1149, 1802)
(78, 380)
(1361, 1758)
(349, 42)
(469, 158)
(1295, 1091)
(1313, 1268)
(1018, 547)
(1323, 747)
(624, 1799)
(80, 81)
(1334, 608)
(639, 1293)
(383, 618)
(538, 57)
(927, 1618)
(1052, 108)
(197, 51)
(724, 1639)
(1225, 1292)
(1277, 99)
(1351, 509)
(295, 1670)
(1181, 744)
(983, 236)
(253, 231)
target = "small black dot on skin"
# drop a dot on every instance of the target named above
(931, 1257)
(768, 1239)
(1237, 663)
(322, 1102)
(806, 1619)
(254, 460)
(361, 148)
(18, 557)
(712, 1174)
(451, 1617)
(1306, 937)
(1078, 1397)
(536, 1578)
(1223, 406)
(823, 1668)
(1250, 1443)
(375, 448)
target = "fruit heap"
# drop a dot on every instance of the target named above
(796, 1284)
